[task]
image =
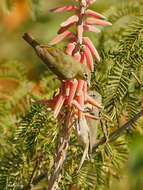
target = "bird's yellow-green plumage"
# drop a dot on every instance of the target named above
(93, 124)
(61, 64)
(87, 128)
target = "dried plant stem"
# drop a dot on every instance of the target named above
(60, 158)
(35, 181)
(138, 80)
(61, 152)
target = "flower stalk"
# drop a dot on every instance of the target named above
(83, 50)
(80, 47)
(70, 102)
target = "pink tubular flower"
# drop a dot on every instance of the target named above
(73, 93)
(89, 2)
(92, 101)
(80, 100)
(85, 89)
(97, 22)
(62, 29)
(88, 115)
(70, 48)
(79, 87)
(91, 28)
(60, 37)
(59, 104)
(77, 105)
(63, 8)
(83, 59)
(91, 13)
(90, 45)
(89, 58)
(70, 20)
(73, 87)
(77, 56)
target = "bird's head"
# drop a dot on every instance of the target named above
(86, 74)
(87, 78)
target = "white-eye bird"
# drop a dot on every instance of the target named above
(60, 63)
(93, 124)
(83, 137)
(86, 130)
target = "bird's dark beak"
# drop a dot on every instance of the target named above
(88, 83)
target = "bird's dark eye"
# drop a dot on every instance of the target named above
(86, 75)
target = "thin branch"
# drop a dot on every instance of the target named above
(36, 180)
(138, 80)
(30, 180)
(40, 50)
(61, 156)
(103, 130)
(30, 40)
(118, 119)
(120, 130)
(107, 128)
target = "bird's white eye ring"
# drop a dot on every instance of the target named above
(86, 75)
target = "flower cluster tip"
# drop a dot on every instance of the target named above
(74, 93)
